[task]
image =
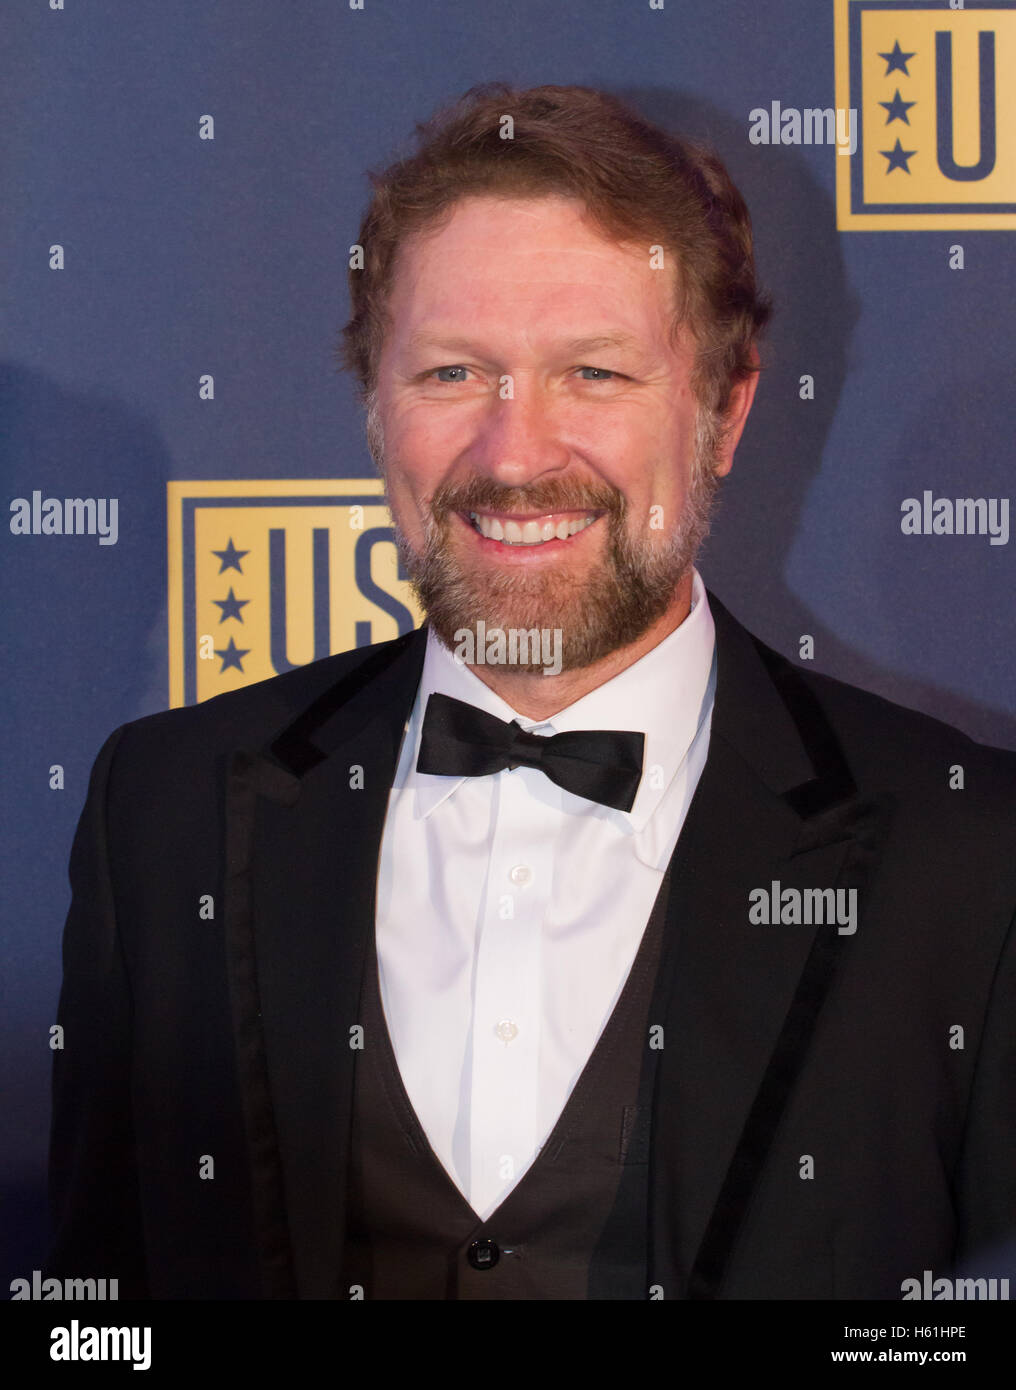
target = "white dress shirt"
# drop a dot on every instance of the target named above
(509, 911)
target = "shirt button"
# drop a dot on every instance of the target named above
(521, 874)
(506, 1030)
(483, 1254)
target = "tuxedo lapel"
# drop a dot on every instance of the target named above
(304, 817)
(739, 1001)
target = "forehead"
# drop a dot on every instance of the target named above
(535, 262)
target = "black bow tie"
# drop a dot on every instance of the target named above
(459, 740)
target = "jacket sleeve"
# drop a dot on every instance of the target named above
(93, 1180)
(987, 1174)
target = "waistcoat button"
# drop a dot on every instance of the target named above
(483, 1254)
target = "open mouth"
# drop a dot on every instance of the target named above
(530, 531)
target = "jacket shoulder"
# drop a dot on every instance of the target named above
(889, 746)
(248, 717)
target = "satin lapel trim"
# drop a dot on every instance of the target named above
(863, 824)
(302, 845)
(776, 801)
(271, 1231)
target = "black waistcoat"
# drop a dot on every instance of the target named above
(573, 1227)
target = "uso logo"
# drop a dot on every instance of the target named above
(265, 576)
(935, 88)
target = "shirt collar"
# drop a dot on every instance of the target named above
(666, 694)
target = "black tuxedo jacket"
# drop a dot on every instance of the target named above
(833, 1113)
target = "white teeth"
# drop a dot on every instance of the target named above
(529, 532)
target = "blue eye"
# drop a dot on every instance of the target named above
(438, 370)
(603, 373)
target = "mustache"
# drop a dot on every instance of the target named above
(479, 494)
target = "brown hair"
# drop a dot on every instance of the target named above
(638, 182)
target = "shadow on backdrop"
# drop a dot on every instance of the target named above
(85, 638)
(800, 262)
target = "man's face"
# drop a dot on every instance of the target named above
(529, 386)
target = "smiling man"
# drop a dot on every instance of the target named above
(670, 972)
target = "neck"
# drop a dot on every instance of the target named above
(540, 697)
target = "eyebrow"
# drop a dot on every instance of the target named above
(576, 346)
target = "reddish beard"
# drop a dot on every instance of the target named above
(607, 606)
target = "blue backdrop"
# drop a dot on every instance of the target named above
(184, 255)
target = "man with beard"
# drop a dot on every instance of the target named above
(640, 978)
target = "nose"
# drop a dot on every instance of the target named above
(518, 437)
